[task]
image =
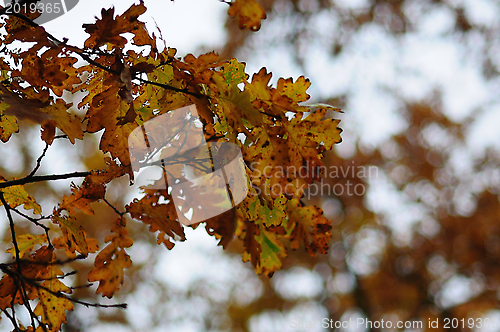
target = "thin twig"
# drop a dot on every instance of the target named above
(82, 286)
(56, 277)
(39, 161)
(114, 208)
(36, 222)
(11, 225)
(12, 318)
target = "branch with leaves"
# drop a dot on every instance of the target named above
(124, 89)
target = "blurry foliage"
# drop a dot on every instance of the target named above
(441, 259)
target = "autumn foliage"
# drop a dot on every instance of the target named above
(121, 87)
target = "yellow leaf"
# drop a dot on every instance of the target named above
(52, 309)
(63, 120)
(16, 195)
(295, 91)
(309, 226)
(73, 234)
(313, 131)
(26, 243)
(249, 14)
(60, 243)
(8, 124)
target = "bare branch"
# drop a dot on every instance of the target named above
(39, 161)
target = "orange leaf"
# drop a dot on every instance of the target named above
(107, 30)
(82, 197)
(160, 217)
(309, 226)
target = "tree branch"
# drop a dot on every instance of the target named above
(33, 179)
(19, 283)
(87, 58)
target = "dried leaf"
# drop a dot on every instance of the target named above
(73, 234)
(110, 275)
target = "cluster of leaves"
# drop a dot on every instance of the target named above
(125, 83)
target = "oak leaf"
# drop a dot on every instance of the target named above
(108, 29)
(159, 217)
(22, 107)
(110, 275)
(114, 170)
(59, 117)
(308, 226)
(263, 248)
(119, 239)
(112, 260)
(8, 123)
(295, 91)
(234, 72)
(82, 197)
(51, 308)
(26, 243)
(73, 234)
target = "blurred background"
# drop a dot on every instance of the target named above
(418, 83)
